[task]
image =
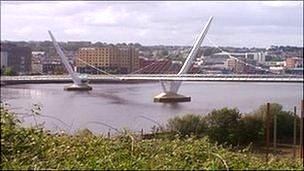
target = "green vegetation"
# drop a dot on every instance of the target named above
(224, 126)
(229, 126)
(285, 120)
(35, 148)
(187, 125)
(8, 71)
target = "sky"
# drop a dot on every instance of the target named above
(236, 23)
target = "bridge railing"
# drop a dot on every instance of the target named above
(186, 77)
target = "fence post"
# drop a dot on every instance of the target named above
(267, 130)
(275, 131)
(301, 128)
(109, 135)
(294, 131)
(142, 133)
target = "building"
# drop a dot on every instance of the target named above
(144, 62)
(259, 57)
(37, 58)
(230, 63)
(277, 69)
(291, 63)
(36, 66)
(294, 62)
(275, 63)
(109, 58)
(19, 59)
(155, 66)
(4, 59)
(235, 66)
(53, 68)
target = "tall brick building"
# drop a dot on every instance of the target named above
(113, 59)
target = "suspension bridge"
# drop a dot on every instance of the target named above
(170, 83)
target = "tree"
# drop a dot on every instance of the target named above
(260, 113)
(8, 71)
(164, 52)
(210, 51)
(284, 120)
(251, 130)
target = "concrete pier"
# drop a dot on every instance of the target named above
(171, 98)
(74, 87)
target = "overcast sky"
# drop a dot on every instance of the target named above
(240, 24)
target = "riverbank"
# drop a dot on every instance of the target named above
(36, 148)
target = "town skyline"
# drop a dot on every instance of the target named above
(134, 43)
(264, 23)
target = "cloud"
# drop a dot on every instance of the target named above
(23, 30)
(282, 3)
(105, 17)
(153, 22)
(75, 31)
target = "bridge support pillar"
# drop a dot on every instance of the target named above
(170, 94)
(171, 98)
(78, 87)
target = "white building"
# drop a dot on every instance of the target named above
(259, 56)
(4, 60)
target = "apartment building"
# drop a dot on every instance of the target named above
(112, 59)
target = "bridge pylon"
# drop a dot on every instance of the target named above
(169, 94)
(170, 88)
(80, 83)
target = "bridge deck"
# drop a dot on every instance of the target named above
(153, 77)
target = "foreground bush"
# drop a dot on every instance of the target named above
(33, 148)
(224, 126)
(251, 130)
(187, 125)
(229, 126)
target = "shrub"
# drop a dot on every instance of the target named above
(20, 143)
(251, 130)
(223, 125)
(187, 125)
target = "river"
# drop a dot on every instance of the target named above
(131, 106)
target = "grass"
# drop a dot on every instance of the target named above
(35, 148)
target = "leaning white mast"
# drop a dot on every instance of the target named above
(187, 64)
(79, 84)
(170, 93)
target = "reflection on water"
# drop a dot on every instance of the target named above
(131, 105)
(173, 106)
(115, 99)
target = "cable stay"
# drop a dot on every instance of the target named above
(92, 66)
(237, 59)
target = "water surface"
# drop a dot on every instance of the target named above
(131, 105)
